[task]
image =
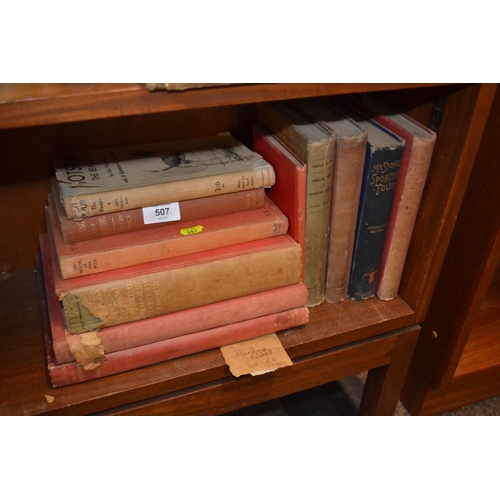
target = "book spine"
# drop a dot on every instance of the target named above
(119, 251)
(121, 361)
(90, 228)
(99, 203)
(201, 280)
(404, 213)
(377, 196)
(318, 205)
(289, 191)
(348, 177)
(121, 337)
(318, 155)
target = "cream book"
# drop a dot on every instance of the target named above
(107, 180)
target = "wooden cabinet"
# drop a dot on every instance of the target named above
(457, 360)
(340, 340)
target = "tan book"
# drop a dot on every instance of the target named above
(100, 181)
(166, 286)
(316, 148)
(347, 179)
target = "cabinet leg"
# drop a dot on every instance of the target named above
(384, 384)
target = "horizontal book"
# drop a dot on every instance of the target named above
(67, 347)
(170, 285)
(96, 182)
(167, 241)
(128, 221)
(138, 357)
(384, 151)
(289, 190)
(415, 163)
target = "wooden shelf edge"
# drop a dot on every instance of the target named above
(24, 381)
(27, 105)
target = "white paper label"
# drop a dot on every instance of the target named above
(161, 213)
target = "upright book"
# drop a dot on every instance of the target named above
(289, 190)
(101, 181)
(380, 175)
(170, 285)
(415, 164)
(316, 148)
(348, 167)
(166, 241)
(129, 221)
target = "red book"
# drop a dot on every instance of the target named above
(289, 190)
(90, 228)
(171, 285)
(137, 357)
(168, 241)
(415, 163)
(120, 337)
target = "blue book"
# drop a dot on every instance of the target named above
(384, 152)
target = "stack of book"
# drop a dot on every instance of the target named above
(156, 251)
(366, 171)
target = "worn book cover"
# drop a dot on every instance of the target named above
(167, 241)
(157, 352)
(381, 170)
(289, 190)
(349, 161)
(106, 180)
(128, 221)
(70, 347)
(316, 148)
(170, 285)
(415, 163)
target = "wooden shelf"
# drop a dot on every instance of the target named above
(482, 351)
(24, 380)
(27, 105)
(457, 358)
(36, 120)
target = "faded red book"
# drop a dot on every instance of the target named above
(128, 221)
(171, 285)
(168, 241)
(147, 331)
(289, 190)
(145, 355)
(415, 163)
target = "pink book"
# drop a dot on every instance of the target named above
(167, 241)
(99, 226)
(156, 352)
(289, 190)
(137, 333)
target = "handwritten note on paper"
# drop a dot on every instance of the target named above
(257, 356)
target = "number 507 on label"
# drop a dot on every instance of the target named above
(161, 213)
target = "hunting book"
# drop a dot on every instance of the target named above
(100, 181)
